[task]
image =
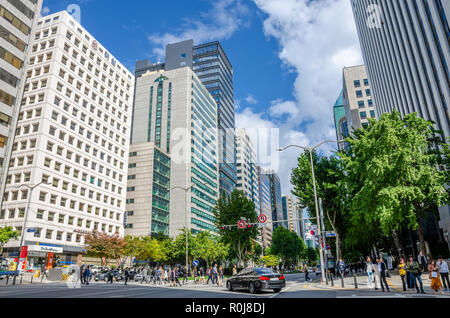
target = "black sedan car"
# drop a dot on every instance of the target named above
(257, 279)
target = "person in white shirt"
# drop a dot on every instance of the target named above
(443, 270)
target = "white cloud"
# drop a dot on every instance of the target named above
(45, 11)
(317, 39)
(250, 99)
(224, 18)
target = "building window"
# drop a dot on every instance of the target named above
(363, 115)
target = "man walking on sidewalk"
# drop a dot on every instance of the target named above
(382, 272)
(443, 270)
(423, 262)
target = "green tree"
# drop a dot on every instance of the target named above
(392, 174)
(271, 260)
(312, 254)
(331, 187)
(104, 246)
(209, 248)
(7, 234)
(228, 212)
(287, 245)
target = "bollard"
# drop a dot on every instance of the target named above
(356, 281)
(375, 281)
(332, 280)
(326, 278)
(21, 277)
(7, 280)
(342, 281)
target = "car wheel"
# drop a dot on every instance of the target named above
(252, 288)
(277, 290)
(229, 286)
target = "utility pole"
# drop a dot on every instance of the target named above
(324, 235)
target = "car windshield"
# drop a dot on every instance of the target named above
(264, 271)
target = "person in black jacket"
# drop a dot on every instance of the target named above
(127, 275)
(382, 268)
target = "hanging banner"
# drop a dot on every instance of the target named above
(50, 257)
(23, 258)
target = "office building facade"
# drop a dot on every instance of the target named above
(175, 112)
(148, 191)
(406, 50)
(18, 20)
(265, 205)
(289, 205)
(357, 95)
(275, 200)
(73, 136)
(407, 54)
(247, 169)
(340, 120)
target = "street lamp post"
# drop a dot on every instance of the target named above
(31, 188)
(310, 150)
(186, 190)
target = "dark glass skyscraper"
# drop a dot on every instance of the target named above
(211, 65)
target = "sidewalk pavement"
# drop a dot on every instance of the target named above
(394, 282)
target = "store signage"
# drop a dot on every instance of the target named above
(45, 249)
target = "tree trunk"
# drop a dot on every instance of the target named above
(421, 236)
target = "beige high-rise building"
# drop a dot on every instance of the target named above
(289, 210)
(176, 113)
(18, 19)
(359, 106)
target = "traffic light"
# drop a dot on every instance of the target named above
(226, 227)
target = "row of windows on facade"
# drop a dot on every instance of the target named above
(87, 148)
(89, 134)
(363, 115)
(357, 83)
(105, 55)
(61, 218)
(19, 162)
(54, 235)
(40, 84)
(11, 196)
(43, 34)
(359, 93)
(87, 91)
(96, 58)
(11, 18)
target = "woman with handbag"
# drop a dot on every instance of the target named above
(436, 284)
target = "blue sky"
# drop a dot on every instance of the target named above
(287, 54)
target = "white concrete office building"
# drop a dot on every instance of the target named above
(73, 133)
(247, 168)
(175, 112)
(17, 22)
(357, 95)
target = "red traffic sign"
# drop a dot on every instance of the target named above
(262, 218)
(241, 224)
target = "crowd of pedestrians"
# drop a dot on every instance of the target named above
(410, 272)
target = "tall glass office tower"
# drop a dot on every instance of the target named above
(211, 65)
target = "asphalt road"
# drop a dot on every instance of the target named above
(296, 288)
